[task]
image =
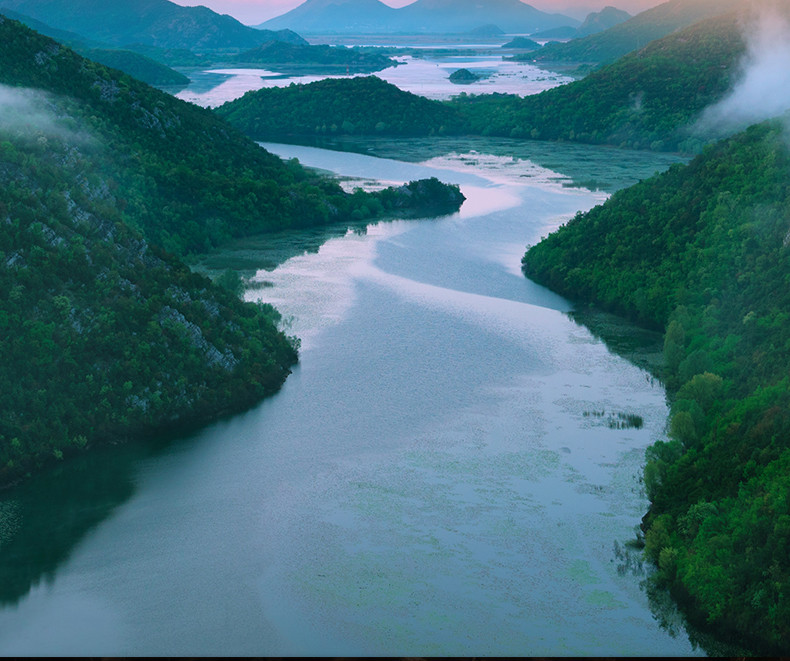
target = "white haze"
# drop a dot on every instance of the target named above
(32, 114)
(763, 87)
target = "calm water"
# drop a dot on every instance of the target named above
(431, 480)
(428, 76)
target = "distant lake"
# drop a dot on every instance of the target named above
(427, 76)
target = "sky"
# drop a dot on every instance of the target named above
(253, 12)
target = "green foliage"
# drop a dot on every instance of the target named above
(104, 336)
(104, 333)
(645, 100)
(189, 180)
(137, 65)
(368, 104)
(635, 33)
(703, 251)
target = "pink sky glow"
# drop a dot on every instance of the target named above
(253, 12)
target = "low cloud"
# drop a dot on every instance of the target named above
(30, 115)
(762, 90)
(26, 111)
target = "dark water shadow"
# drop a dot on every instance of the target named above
(43, 519)
(639, 346)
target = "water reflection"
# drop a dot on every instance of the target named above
(43, 520)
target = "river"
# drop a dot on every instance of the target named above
(446, 471)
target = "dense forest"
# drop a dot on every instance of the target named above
(104, 332)
(104, 336)
(646, 100)
(702, 252)
(364, 105)
(137, 66)
(189, 180)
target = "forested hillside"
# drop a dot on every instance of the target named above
(645, 100)
(104, 336)
(104, 333)
(188, 179)
(318, 59)
(363, 105)
(635, 33)
(703, 252)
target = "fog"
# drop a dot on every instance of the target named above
(33, 114)
(762, 89)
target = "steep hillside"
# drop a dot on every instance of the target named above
(645, 100)
(189, 180)
(637, 32)
(702, 251)
(598, 21)
(151, 22)
(136, 65)
(105, 335)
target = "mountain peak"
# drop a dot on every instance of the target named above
(420, 17)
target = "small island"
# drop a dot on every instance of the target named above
(522, 43)
(463, 77)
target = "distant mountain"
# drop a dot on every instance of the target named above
(562, 32)
(602, 20)
(420, 17)
(489, 30)
(645, 100)
(336, 16)
(139, 65)
(151, 22)
(636, 32)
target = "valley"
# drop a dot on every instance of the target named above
(275, 382)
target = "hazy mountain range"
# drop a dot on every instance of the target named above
(150, 22)
(420, 17)
(636, 32)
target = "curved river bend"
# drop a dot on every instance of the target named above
(439, 476)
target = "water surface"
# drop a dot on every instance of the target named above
(426, 76)
(439, 476)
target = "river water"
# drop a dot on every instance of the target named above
(441, 474)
